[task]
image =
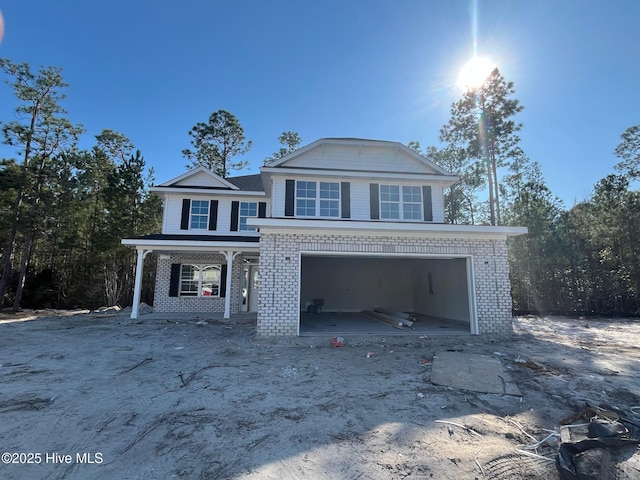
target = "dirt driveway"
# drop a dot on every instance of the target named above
(103, 398)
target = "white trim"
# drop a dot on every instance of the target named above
(230, 256)
(187, 191)
(289, 225)
(348, 174)
(471, 285)
(190, 246)
(137, 288)
(298, 294)
(196, 171)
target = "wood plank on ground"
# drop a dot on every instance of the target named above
(406, 321)
(395, 313)
(385, 319)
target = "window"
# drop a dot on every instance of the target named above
(412, 203)
(400, 202)
(321, 199)
(390, 201)
(247, 210)
(199, 214)
(329, 199)
(306, 199)
(200, 281)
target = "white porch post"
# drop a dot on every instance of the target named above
(229, 255)
(142, 253)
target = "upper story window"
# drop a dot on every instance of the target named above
(400, 202)
(247, 210)
(317, 199)
(200, 280)
(199, 214)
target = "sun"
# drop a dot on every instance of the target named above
(475, 72)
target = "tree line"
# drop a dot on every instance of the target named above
(584, 259)
(63, 210)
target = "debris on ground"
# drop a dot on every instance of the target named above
(157, 397)
(590, 451)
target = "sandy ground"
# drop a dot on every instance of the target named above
(102, 398)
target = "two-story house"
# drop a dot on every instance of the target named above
(356, 223)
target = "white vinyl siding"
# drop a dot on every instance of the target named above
(173, 212)
(360, 198)
(378, 158)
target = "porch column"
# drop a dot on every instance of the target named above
(229, 255)
(142, 254)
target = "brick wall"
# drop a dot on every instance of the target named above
(163, 303)
(278, 302)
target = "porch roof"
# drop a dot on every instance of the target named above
(186, 242)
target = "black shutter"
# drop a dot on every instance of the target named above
(186, 207)
(262, 209)
(345, 199)
(289, 198)
(427, 203)
(223, 281)
(174, 280)
(234, 216)
(374, 200)
(213, 215)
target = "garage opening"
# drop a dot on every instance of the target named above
(340, 295)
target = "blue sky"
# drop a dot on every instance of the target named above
(360, 68)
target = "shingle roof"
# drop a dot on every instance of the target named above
(248, 183)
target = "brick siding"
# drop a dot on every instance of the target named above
(163, 303)
(278, 302)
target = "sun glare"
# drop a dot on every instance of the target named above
(474, 73)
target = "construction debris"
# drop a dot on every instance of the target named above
(404, 317)
(389, 319)
(593, 457)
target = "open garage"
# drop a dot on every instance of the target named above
(336, 289)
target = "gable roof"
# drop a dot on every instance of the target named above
(200, 177)
(315, 153)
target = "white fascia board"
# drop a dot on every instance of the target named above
(206, 191)
(197, 170)
(285, 225)
(190, 246)
(345, 174)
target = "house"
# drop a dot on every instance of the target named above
(350, 224)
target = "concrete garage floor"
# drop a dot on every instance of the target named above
(331, 324)
(356, 323)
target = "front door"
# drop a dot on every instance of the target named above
(250, 278)
(254, 273)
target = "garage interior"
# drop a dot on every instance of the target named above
(337, 291)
